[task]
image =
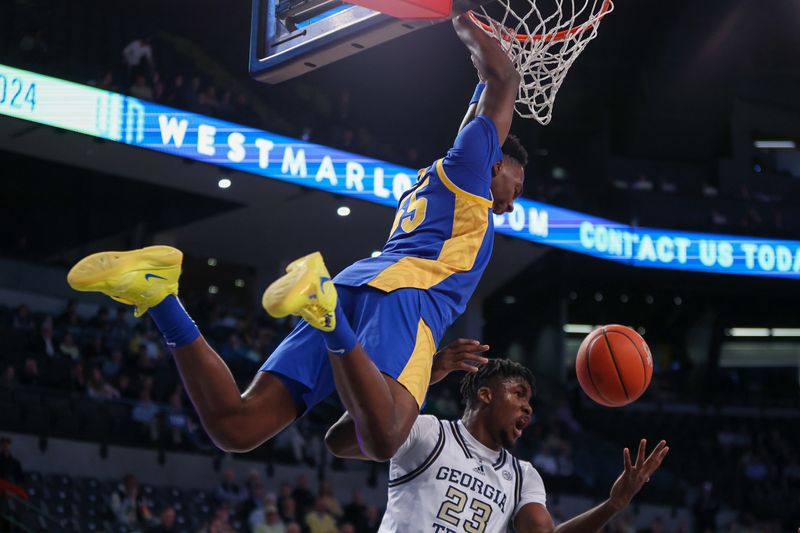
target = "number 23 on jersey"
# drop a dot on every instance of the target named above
(454, 505)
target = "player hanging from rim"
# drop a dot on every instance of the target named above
(458, 476)
(371, 332)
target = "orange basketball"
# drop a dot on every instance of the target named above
(614, 365)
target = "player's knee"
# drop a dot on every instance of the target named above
(334, 443)
(231, 442)
(383, 445)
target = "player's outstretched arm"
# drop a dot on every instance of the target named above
(534, 518)
(502, 79)
(460, 355)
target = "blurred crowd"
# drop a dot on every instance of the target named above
(111, 357)
(254, 505)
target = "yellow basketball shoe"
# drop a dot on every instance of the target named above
(306, 290)
(142, 278)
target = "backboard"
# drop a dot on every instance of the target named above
(292, 37)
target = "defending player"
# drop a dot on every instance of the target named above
(457, 476)
(370, 333)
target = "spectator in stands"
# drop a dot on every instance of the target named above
(234, 349)
(69, 321)
(69, 347)
(96, 350)
(47, 342)
(319, 520)
(127, 505)
(329, 499)
(100, 321)
(622, 524)
(106, 81)
(293, 527)
(228, 491)
(113, 365)
(145, 412)
(302, 495)
(272, 522)
(372, 521)
(140, 89)
(656, 526)
(705, 510)
(98, 388)
(166, 521)
(120, 331)
(191, 93)
(30, 373)
(10, 467)
(545, 461)
(178, 420)
(754, 466)
(207, 101)
(288, 510)
(145, 365)
(125, 386)
(563, 414)
(256, 514)
(9, 377)
(257, 497)
(138, 54)
(33, 49)
(445, 405)
(77, 377)
(642, 183)
(219, 521)
(355, 511)
(158, 87)
(22, 320)
(174, 96)
(227, 109)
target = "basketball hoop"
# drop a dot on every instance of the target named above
(542, 46)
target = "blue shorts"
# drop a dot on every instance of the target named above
(389, 327)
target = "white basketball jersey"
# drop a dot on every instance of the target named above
(443, 480)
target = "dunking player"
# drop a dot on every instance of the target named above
(370, 333)
(454, 476)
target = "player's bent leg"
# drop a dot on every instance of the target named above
(148, 279)
(383, 411)
(384, 398)
(235, 422)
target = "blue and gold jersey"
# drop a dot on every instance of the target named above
(443, 232)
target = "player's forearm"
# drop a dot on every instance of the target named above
(467, 119)
(590, 521)
(491, 61)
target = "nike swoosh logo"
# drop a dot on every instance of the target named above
(322, 281)
(339, 352)
(148, 277)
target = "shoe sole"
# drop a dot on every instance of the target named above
(285, 297)
(99, 272)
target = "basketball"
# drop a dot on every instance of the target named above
(614, 365)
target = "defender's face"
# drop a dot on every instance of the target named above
(508, 177)
(511, 410)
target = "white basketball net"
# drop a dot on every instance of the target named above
(543, 46)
